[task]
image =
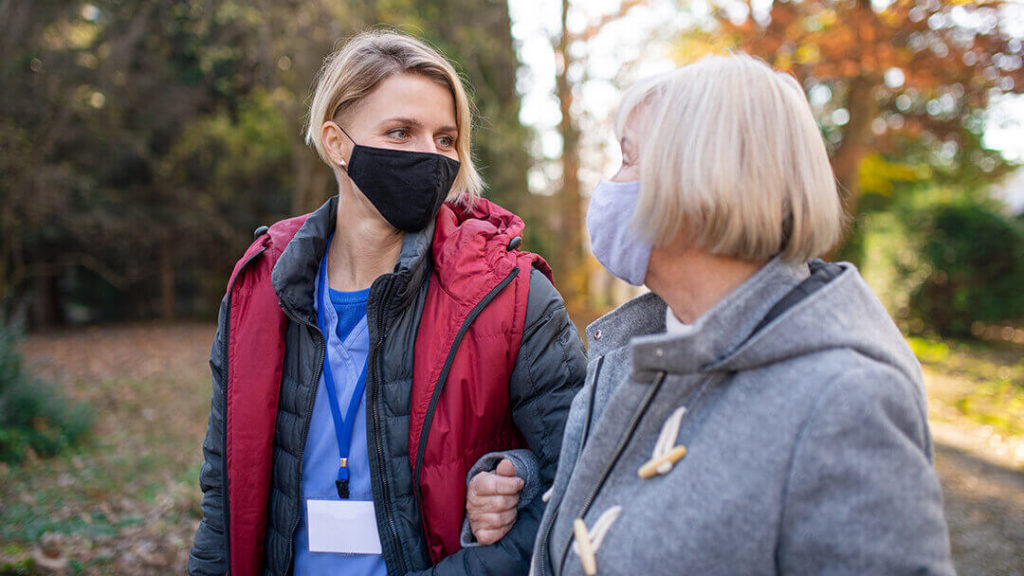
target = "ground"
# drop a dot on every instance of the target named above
(127, 502)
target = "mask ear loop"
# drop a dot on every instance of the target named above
(343, 163)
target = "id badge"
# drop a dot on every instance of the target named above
(343, 526)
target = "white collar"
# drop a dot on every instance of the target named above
(674, 326)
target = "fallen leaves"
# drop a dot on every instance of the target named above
(127, 503)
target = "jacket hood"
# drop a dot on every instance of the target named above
(466, 244)
(842, 314)
(473, 244)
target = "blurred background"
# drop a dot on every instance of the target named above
(141, 143)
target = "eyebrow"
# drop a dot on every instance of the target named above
(414, 123)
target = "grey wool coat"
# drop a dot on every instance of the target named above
(807, 443)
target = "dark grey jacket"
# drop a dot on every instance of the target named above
(549, 370)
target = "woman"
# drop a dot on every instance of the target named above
(369, 353)
(755, 413)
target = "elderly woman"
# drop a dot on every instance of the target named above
(757, 412)
(368, 354)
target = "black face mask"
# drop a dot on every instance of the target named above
(407, 188)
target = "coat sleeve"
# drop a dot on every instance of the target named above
(208, 555)
(549, 370)
(862, 496)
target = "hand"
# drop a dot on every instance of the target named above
(491, 503)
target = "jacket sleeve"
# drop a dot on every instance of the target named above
(862, 496)
(208, 555)
(549, 370)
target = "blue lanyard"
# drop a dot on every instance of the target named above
(342, 428)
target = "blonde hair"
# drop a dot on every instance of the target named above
(354, 72)
(732, 157)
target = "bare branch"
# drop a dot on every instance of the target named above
(595, 28)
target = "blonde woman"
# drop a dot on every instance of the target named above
(368, 354)
(757, 412)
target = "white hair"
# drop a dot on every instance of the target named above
(732, 159)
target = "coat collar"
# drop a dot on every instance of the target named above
(714, 337)
(295, 271)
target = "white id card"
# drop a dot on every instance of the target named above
(346, 526)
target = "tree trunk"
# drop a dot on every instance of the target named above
(571, 206)
(863, 109)
(167, 296)
(44, 308)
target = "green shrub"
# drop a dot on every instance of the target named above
(33, 414)
(973, 258)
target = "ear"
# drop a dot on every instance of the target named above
(336, 144)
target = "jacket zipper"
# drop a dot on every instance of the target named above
(590, 404)
(224, 456)
(546, 533)
(436, 396)
(616, 454)
(382, 477)
(322, 348)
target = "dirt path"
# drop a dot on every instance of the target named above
(984, 506)
(983, 485)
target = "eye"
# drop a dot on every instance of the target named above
(446, 142)
(399, 133)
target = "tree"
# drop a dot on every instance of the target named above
(922, 69)
(95, 95)
(571, 254)
(142, 142)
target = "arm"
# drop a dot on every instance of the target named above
(549, 370)
(209, 547)
(862, 496)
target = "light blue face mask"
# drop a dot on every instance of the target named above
(614, 242)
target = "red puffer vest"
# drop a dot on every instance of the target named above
(466, 348)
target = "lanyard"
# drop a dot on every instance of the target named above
(342, 428)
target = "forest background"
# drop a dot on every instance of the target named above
(142, 143)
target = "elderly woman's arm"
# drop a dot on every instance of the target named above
(862, 496)
(549, 371)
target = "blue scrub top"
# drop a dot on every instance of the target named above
(348, 347)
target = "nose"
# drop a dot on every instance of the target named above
(425, 143)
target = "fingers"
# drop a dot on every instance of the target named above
(489, 484)
(491, 527)
(491, 503)
(494, 503)
(487, 537)
(505, 468)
